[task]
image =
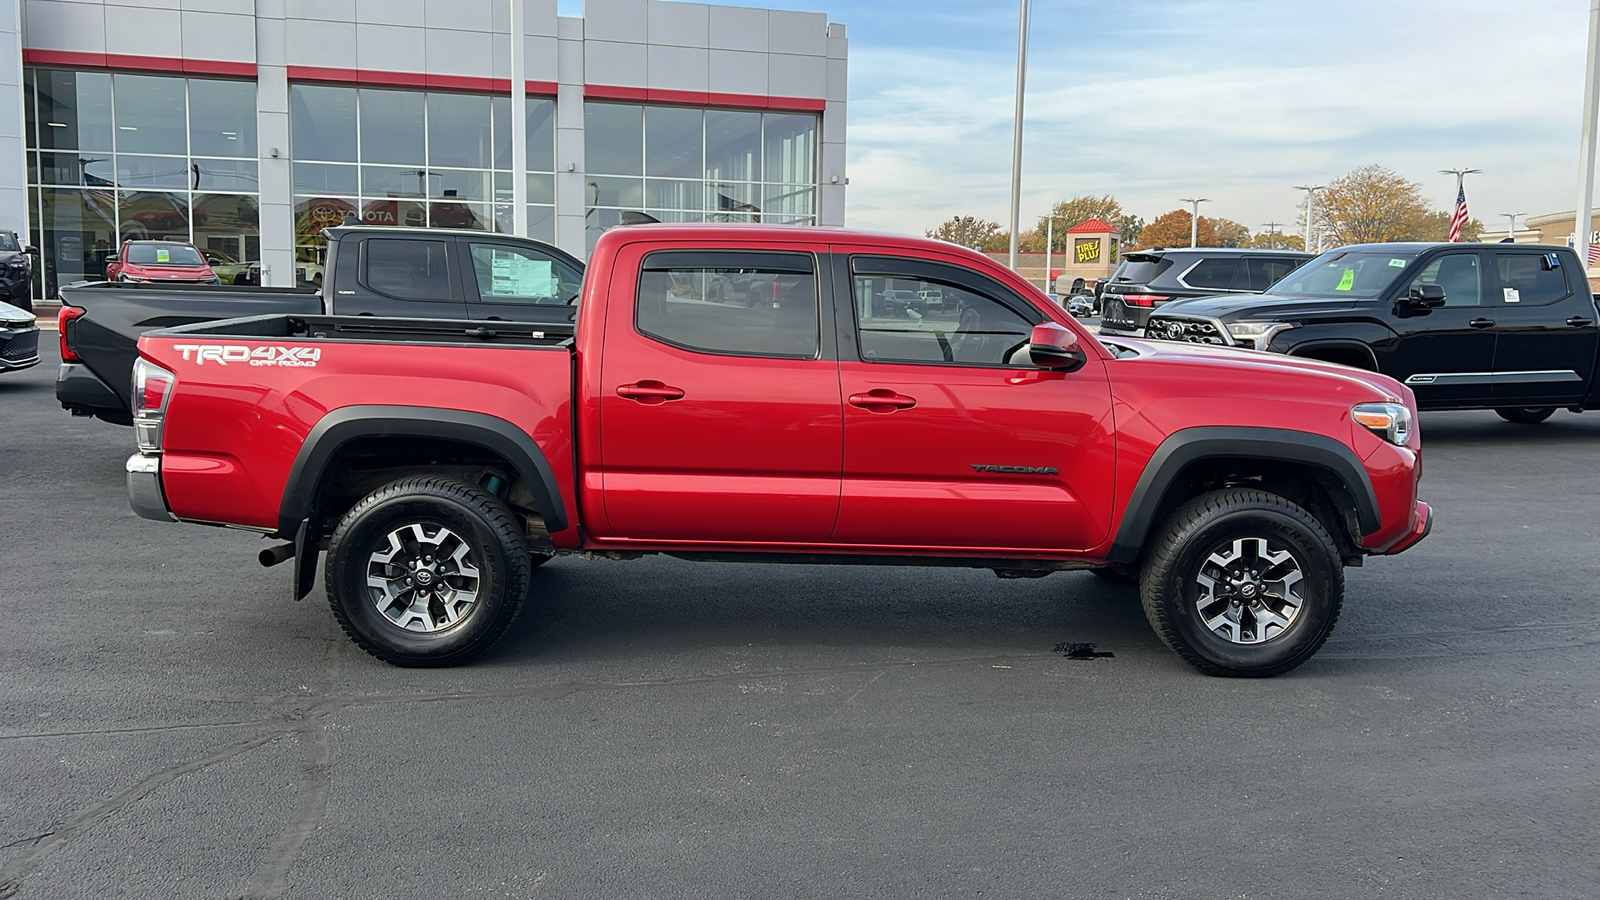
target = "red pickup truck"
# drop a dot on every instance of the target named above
(756, 393)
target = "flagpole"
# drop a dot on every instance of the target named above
(1461, 177)
(1016, 133)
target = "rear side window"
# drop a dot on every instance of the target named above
(407, 269)
(740, 304)
(1212, 272)
(1525, 280)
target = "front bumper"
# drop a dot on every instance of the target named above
(144, 488)
(19, 348)
(1424, 524)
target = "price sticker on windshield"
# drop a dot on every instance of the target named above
(163, 255)
(1348, 281)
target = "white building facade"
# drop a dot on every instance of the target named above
(248, 126)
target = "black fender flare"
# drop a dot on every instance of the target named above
(1307, 348)
(341, 426)
(1224, 441)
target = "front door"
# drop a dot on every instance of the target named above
(517, 283)
(1545, 350)
(952, 439)
(1445, 355)
(719, 400)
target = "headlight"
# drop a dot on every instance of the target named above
(1256, 334)
(1390, 421)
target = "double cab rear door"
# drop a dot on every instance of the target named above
(853, 399)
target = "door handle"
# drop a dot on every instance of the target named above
(1578, 322)
(1482, 323)
(882, 400)
(650, 393)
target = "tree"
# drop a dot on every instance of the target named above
(1437, 227)
(969, 231)
(1129, 226)
(1069, 213)
(1278, 241)
(1171, 229)
(1229, 232)
(1373, 205)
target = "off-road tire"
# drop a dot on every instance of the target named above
(1525, 415)
(495, 545)
(1170, 589)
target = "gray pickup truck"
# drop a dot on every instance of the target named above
(417, 273)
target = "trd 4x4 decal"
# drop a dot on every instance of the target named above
(223, 354)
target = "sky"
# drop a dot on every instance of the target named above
(1238, 101)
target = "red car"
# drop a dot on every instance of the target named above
(167, 262)
(437, 462)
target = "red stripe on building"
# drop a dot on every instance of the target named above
(166, 64)
(702, 98)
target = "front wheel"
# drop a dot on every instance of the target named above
(427, 572)
(1243, 583)
(1525, 415)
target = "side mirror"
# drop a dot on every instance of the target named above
(31, 249)
(1053, 346)
(1426, 296)
(113, 258)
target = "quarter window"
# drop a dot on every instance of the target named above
(741, 304)
(1212, 272)
(917, 319)
(1525, 280)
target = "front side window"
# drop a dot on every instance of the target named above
(741, 304)
(918, 319)
(406, 269)
(1527, 280)
(1458, 274)
(508, 274)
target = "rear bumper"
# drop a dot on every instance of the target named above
(1419, 530)
(79, 388)
(144, 488)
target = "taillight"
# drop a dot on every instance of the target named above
(66, 330)
(1143, 299)
(152, 388)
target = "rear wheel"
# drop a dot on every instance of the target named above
(1526, 415)
(427, 572)
(1243, 583)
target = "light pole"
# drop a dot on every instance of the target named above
(1311, 203)
(1016, 132)
(1194, 221)
(1512, 232)
(1586, 148)
(1049, 242)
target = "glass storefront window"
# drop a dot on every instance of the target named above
(150, 115)
(226, 175)
(222, 118)
(541, 136)
(733, 146)
(790, 148)
(393, 127)
(78, 230)
(144, 173)
(73, 110)
(459, 128)
(322, 123)
(674, 142)
(613, 139)
(322, 178)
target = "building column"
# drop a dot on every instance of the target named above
(830, 202)
(572, 197)
(272, 146)
(13, 123)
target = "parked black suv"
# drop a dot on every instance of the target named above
(1148, 278)
(1508, 327)
(16, 272)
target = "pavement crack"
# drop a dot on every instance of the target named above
(27, 840)
(139, 729)
(13, 871)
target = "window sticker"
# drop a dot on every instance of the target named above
(1398, 263)
(1348, 281)
(163, 255)
(1512, 296)
(515, 275)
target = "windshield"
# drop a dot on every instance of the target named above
(1347, 275)
(8, 241)
(161, 254)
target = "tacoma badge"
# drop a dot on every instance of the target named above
(1019, 470)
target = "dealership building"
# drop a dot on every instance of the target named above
(248, 126)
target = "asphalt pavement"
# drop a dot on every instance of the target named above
(173, 725)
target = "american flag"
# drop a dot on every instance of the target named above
(1594, 254)
(1460, 218)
